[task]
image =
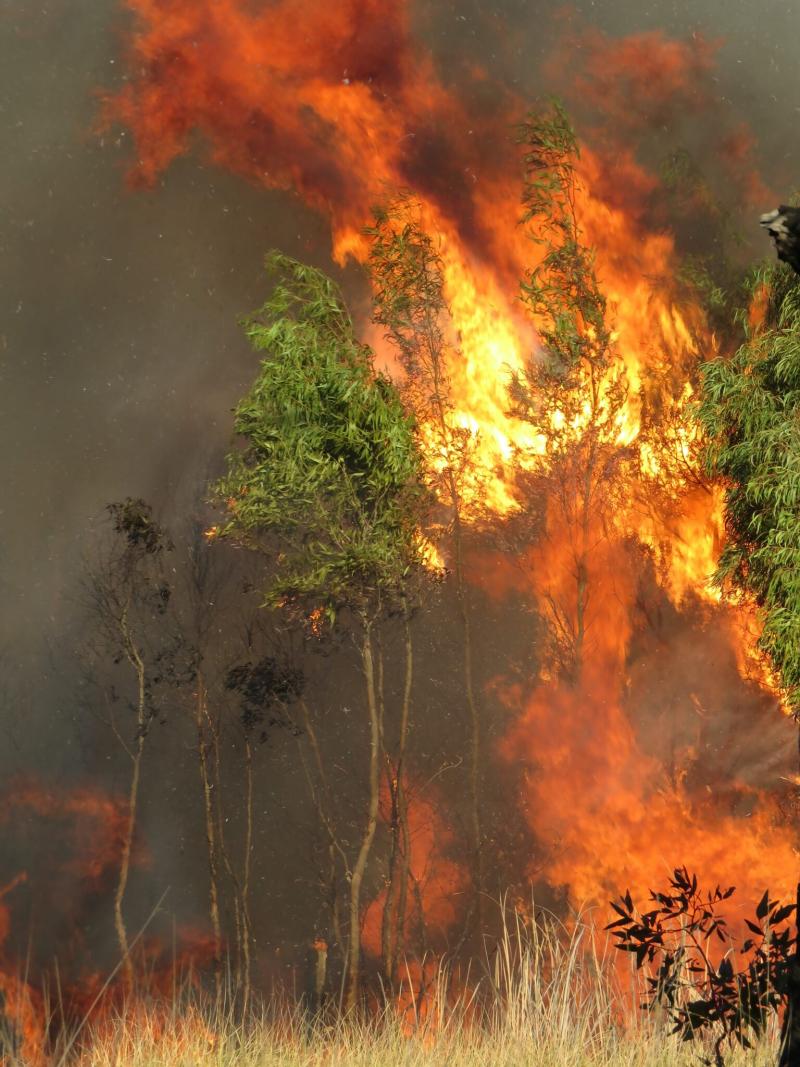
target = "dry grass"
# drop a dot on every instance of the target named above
(544, 999)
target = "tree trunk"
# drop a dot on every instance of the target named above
(354, 947)
(446, 436)
(245, 895)
(241, 887)
(394, 907)
(125, 865)
(136, 661)
(201, 717)
(475, 732)
(322, 802)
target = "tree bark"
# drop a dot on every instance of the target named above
(354, 946)
(322, 802)
(136, 661)
(245, 894)
(125, 865)
(475, 731)
(394, 907)
(446, 436)
(201, 717)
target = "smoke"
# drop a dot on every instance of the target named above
(121, 356)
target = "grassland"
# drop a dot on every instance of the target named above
(545, 998)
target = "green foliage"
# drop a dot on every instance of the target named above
(750, 411)
(562, 291)
(407, 274)
(694, 273)
(329, 473)
(578, 380)
(574, 391)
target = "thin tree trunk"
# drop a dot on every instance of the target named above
(475, 730)
(354, 946)
(226, 860)
(136, 661)
(248, 855)
(389, 919)
(405, 876)
(125, 864)
(399, 859)
(201, 717)
(241, 888)
(466, 623)
(322, 802)
(581, 563)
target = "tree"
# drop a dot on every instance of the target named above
(265, 687)
(328, 484)
(408, 291)
(750, 412)
(575, 390)
(129, 595)
(200, 608)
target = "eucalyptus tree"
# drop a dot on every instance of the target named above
(574, 390)
(750, 413)
(328, 483)
(407, 274)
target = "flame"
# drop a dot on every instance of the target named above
(339, 103)
(436, 882)
(94, 824)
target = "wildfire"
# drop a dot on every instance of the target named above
(339, 104)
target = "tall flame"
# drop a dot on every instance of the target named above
(339, 103)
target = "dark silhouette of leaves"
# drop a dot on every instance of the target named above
(725, 997)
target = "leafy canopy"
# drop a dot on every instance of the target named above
(750, 410)
(562, 291)
(329, 471)
(574, 390)
(407, 274)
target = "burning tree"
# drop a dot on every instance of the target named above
(328, 484)
(407, 274)
(749, 410)
(574, 391)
